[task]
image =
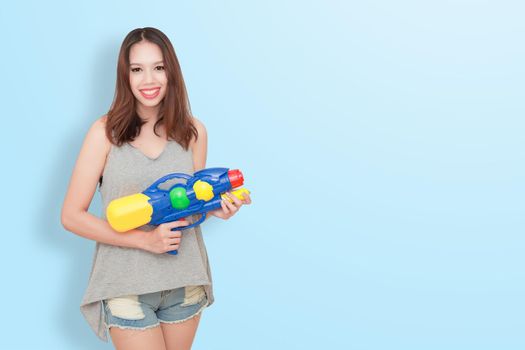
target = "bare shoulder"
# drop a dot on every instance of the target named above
(97, 133)
(201, 131)
(199, 146)
(100, 124)
(103, 119)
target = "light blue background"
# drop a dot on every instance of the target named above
(382, 141)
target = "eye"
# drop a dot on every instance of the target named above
(134, 70)
(162, 67)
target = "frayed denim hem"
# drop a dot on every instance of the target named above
(129, 327)
(187, 318)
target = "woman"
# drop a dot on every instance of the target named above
(145, 298)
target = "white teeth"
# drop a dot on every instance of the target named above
(150, 92)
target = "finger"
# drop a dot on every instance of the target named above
(247, 198)
(174, 234)
(177, 223)
(228, 197)
(224, 206)
(172, 247)
(172, 241)
(234, 198)
(230, 205)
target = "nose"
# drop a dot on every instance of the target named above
(148, 77)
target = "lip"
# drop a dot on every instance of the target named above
(150, 97)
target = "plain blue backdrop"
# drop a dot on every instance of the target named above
(383, 142)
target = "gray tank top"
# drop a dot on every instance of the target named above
(119, 271)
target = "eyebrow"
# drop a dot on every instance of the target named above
(138, 64)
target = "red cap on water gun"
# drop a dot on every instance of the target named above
(236, 178)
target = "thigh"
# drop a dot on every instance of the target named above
(132, 322)
(179, 316)
(180, 336)
(132, 339)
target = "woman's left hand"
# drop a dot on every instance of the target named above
(229, 209)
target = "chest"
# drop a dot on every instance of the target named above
(150, 145)
(128, 170)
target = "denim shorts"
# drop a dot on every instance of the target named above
(148, 310)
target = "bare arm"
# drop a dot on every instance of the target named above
(199, 149)
(199, 146)
(86, 173)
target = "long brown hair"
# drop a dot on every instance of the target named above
(123, 123)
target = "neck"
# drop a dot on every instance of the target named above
(149, 114)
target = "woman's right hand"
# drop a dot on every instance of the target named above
(162, 239)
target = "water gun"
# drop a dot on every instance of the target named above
(201, 193)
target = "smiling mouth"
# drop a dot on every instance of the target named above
(150, 93)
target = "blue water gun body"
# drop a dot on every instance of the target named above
(201, 193)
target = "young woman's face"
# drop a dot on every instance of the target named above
(147, 77)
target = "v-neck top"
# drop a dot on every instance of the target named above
(119, 271)
(145, 155)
